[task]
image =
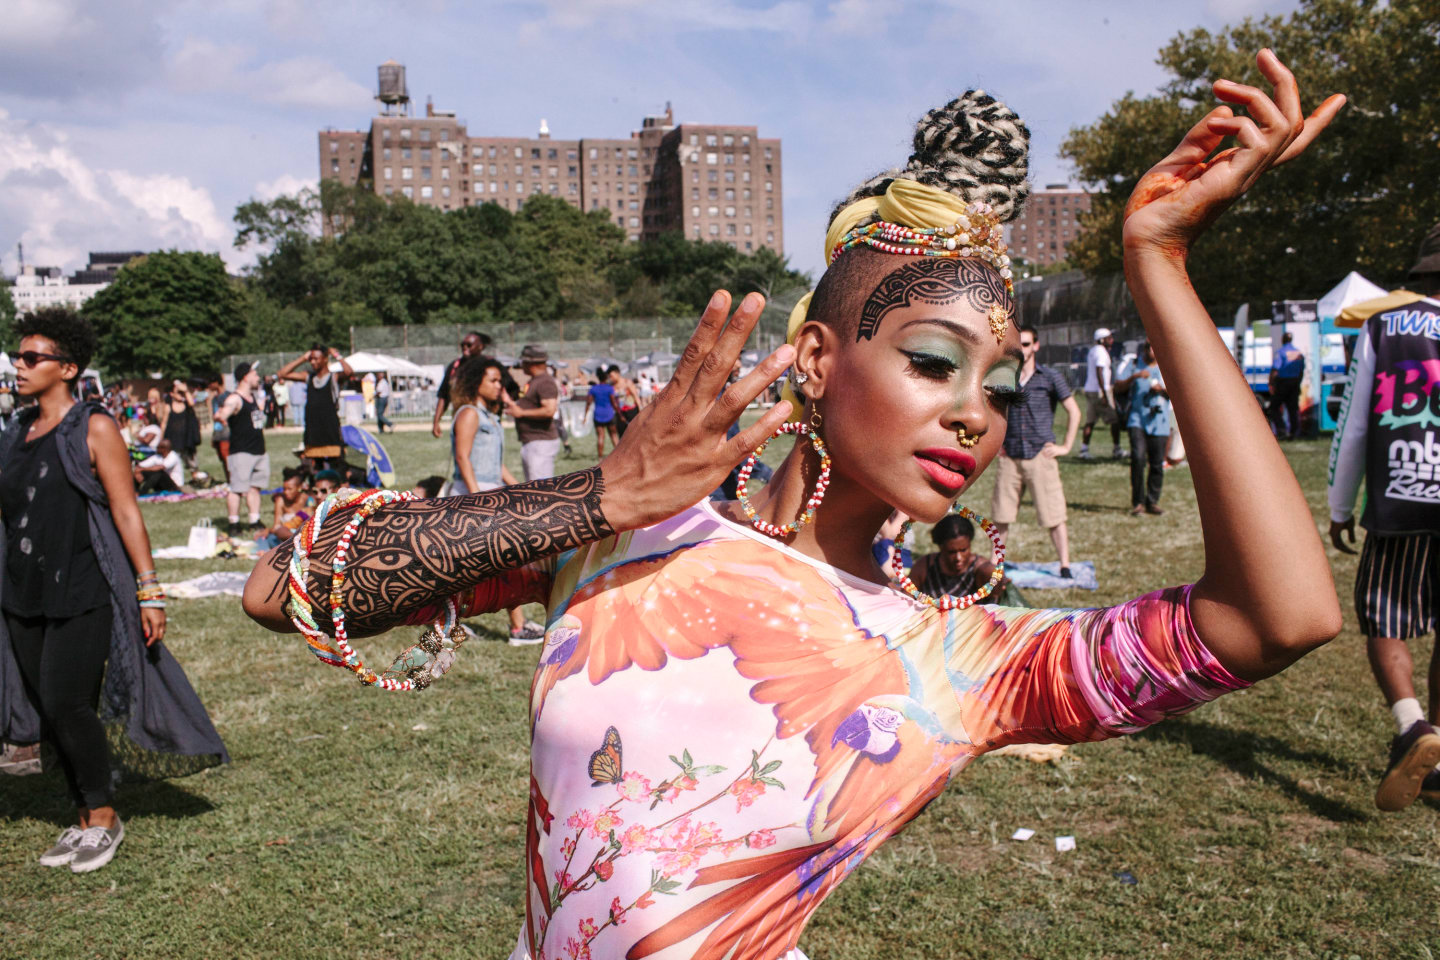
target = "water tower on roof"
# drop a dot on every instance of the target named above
(393, 97)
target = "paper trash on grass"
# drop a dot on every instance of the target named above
(1064, 843)
(1023, 834)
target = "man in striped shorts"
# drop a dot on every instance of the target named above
(1389, 435)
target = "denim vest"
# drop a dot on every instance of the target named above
(487, 452)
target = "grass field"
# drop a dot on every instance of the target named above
(363, 825)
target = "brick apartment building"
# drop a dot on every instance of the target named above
(708, 181)
(1048, 223)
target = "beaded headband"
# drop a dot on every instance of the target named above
(975, 233)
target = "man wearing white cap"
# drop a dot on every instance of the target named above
(1100, 393)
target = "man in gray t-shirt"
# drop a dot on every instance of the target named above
(534, 415)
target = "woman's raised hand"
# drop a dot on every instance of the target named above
(676, 451)
(1181, 195)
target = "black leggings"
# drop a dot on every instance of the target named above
(62, 663)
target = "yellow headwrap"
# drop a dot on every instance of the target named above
(906, 202)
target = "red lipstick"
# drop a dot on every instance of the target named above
(947, 466)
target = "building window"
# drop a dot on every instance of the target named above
(711, 159)
(385, 134)
(554, 171)
(445, 191)
(534, 188)
(571, 171)
(479, 187)
(427, 191)
(729, 176)
(694, 176)
(634, 189)
(769, 186)
(387, 173)
(745, 159)
(404, 133)
(334, 146)
(634, 154)
(730, 194)
(714, 229)
(551, 154)
(334, 166)
(478, 169)
(555, 189)
(694, 211)
(389, 191)
(745, 175)
(769, 154)
(594, 204)
(694, 139)
(769, 238)
(769, 203)
(745, 140)
(634, 204)
(620, 220)
(632, 171)
(713, 176)
(594, 153)
(748, 231)
(407, 173)
(769, 219)
(424, 134)
(409, 192)
(518, 169)
(713, 211)
(424, 173)
(694, 193)
(518, 153)
(729, 159)
(386, 153)
(729, 211)
(574, 188)
(534, 153)
(492, 187)
(534, 170)
(406, 153)
(444, 133)
(729, 140)
(425, 155)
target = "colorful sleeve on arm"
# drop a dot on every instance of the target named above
(1347, 447)
(1067, 676)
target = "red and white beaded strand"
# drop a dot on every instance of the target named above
(817, 496)
(948, 602)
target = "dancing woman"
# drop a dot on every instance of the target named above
(84, 615)
(699, 659)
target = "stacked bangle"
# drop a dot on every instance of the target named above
(148, 590)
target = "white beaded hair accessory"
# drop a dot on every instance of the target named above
(975, 233)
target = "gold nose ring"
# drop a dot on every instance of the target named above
(966, 440)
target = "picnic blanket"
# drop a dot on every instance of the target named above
(209, 493)
(1046, 576)
(229, 583)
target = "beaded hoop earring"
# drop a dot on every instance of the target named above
(419, 664)
(812, 430)
(948, 602)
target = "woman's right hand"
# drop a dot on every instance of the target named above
(676, 450)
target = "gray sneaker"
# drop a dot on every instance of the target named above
(64, 850)
(97, 847)
(527, 635)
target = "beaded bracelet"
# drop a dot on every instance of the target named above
(419, 664)
(151, 596)
(949, 602)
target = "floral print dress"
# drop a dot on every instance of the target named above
(722, 728)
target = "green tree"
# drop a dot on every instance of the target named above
(7, 319)
(1360, 198)
(172, 313)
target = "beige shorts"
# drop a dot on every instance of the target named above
(1099, 407)
(1041, 475)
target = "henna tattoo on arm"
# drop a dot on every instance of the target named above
(414, 553)
(938, 281)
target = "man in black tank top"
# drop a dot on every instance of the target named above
(248, 463)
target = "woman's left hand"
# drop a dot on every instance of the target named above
(152, 619)
(1183, 194)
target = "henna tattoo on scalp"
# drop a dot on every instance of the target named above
(934, 280)
(414, 553)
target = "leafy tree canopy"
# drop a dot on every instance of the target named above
(1360, 198)
(7, 319)
(179, 313)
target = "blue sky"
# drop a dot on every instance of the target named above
(138, 124)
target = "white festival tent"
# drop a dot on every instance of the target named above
(1353, 289)
(363, 362)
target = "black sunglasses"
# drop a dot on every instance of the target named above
(31, 358)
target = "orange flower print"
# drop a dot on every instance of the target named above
(760, 839)
(617, 912)
(745, 792)
(604, 870)
(645, 901)
(673, 788)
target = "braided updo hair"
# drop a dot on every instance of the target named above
(974, 147)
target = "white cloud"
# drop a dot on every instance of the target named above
(65, 49)
(307, 82)
(61, 207)
(285, 185)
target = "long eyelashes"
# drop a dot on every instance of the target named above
(934, 367)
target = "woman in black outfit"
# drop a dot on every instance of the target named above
(180, 424)
(324, 448)
(71, 599)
